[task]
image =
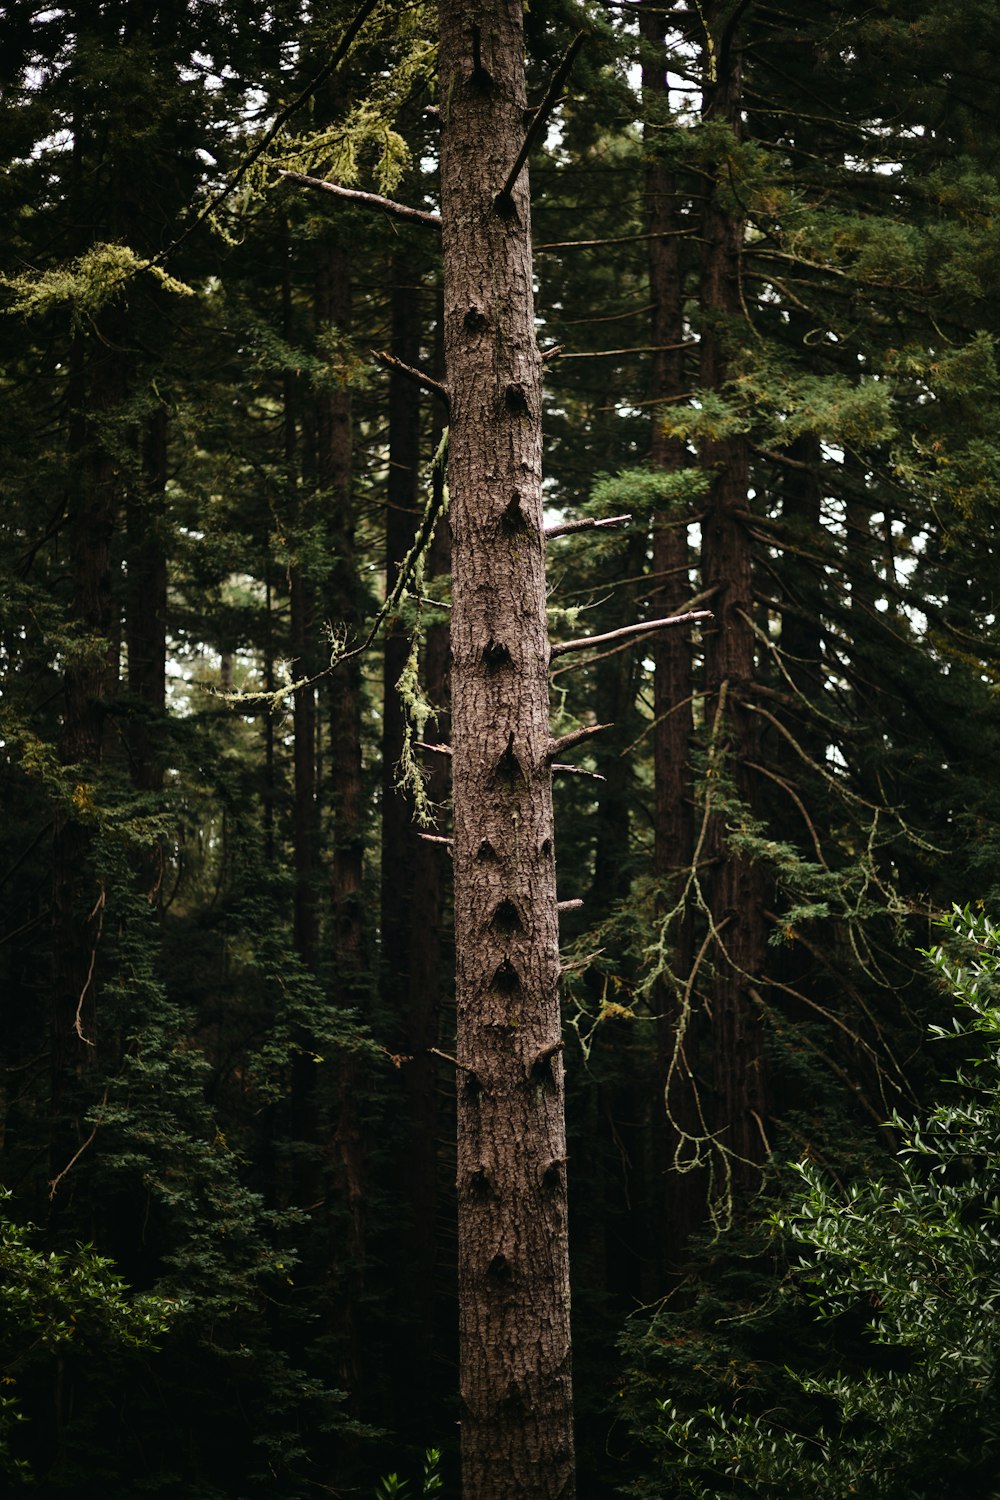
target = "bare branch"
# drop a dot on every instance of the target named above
(419, 377)
(617, 239)
(438, 749)
(503, 198)
(447, 1057)
(365, 200)
(566, 770)
(575, 737)
(573, 905)
(590, 523)
(644, 627)
(55, 1181)
(436, 838)
(636, 349)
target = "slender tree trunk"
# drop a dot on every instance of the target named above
(333, 438)
(402, 513)
(146, 605)
(413, 881)
(304, 630)
(682, 1200)
(97, 388)
(517, 1435)
(733, 882)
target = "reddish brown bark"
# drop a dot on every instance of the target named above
(517, 1436)
(733, 882)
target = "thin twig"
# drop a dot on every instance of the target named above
(436, 838)
(447, 1057)
(55, 1181)
(366, 200)
(636, 349)
(590, 523)
(617, 239)
(576, 771)
(503, 198)
(78, 1019)
(644, 627)
(438, 749)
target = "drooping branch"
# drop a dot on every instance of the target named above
(504, 201)
(365, 200)
(644, 627)
(590, 523)
(419, 377)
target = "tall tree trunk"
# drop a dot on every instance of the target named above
(97, 389)
(517, 1433)
(682, 1201)
(733, 882)
(413, 882)
(402, 513)
(333, 473)
(146, 605)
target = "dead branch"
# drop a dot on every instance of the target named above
(447, 1057)
(576, 771)
(637, 349)
(566, 528)
(419, 377)
(503, 199)
(55, 1181)
(569, 905)
(575, 737)
(366, 200)
(644, 627)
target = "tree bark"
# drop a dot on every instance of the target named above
(517, 1435)
(333, 473)
(733, 882)
(682, 1199)
(98, 383)
(146, 605)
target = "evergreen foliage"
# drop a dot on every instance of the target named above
(895, 1395)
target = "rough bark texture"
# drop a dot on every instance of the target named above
(734, 886)
(517, 1437)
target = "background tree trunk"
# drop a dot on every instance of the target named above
(733, 881)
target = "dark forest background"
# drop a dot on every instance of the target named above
(766, 248)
